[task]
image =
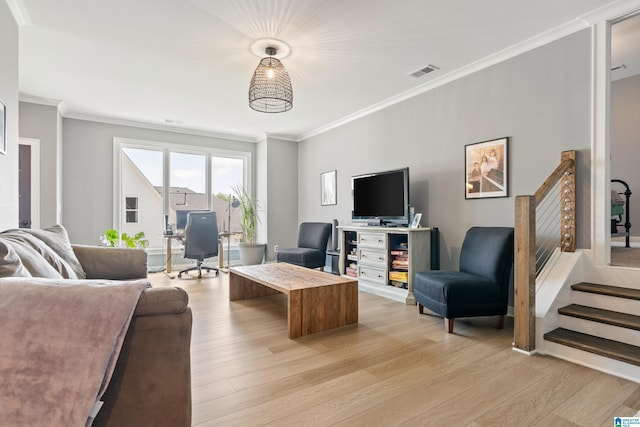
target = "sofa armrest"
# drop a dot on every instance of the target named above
(155, 301)
(112, 263)
(151, 383)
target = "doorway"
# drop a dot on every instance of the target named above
(29, 183)
(625, 141)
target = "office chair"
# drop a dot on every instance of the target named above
(312, 246)
(200, 240)
(480, 287)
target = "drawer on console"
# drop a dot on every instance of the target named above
(371, 256)
(372, 274)
(372, 240)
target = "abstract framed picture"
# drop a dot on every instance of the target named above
(486, 169)
(328, 188)
(3, 129)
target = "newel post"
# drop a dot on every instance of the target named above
(525, 274)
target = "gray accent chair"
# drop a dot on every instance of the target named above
(311, 252)
(200, 240)
(480, 287)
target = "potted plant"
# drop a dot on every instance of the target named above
(250, 252)
(113, 239)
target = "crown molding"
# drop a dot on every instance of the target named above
(283, 137)
(611, 11)
(133, 123)
(166, 128)
(20, 13)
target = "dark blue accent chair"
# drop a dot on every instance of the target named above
(312, 246)
(480, 287)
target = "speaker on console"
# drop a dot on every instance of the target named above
(334, 233)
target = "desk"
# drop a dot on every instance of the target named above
(169, 238)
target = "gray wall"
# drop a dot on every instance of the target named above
(9, 97)
(88, 171)
(281, 159)
(43, 122)
(540, 99)
(625, 142)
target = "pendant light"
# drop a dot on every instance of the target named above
(270, 89)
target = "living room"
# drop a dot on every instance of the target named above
(539, 93)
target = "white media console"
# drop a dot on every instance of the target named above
(385, 259)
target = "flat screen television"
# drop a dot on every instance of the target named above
(382, 197)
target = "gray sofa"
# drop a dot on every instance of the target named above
(151, 382)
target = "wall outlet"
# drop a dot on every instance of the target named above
(276, 248)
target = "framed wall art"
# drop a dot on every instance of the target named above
(328, 188)
(486, 166)
(3, 129)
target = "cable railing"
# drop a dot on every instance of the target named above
(544, 222)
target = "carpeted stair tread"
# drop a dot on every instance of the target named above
(604, 347)
(624, 320)
(614, 291)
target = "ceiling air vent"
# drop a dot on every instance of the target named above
(422, 71)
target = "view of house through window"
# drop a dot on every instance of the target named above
(131, 206)
(143, 193)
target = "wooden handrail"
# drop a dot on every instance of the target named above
(524, 337)
(555, 176)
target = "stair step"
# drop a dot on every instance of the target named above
(613, 349)
(609, 317)
(614, 291)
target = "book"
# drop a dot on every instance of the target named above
(399, 252)
(399, 276)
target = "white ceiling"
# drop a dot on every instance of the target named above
(190, 60)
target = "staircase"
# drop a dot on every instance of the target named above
(601, 327)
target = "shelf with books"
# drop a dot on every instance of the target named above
(351, 251)
(399, 261)
(385, 260)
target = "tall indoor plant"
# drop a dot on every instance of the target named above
(250, 251)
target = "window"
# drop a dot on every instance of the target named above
(155, 179)
(131, 209)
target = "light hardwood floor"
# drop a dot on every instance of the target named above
(395, 367)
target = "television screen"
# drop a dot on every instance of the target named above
(382, 195)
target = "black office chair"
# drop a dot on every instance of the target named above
(480, 288)
(312, 246)
(200, 240)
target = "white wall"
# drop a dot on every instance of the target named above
(540, 99)
(625, 142)
(9, 97)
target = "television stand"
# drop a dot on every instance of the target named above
(386, 259)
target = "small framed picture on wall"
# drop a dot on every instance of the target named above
(328, 188)
(3, 128)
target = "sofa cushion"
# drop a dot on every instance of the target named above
(10, 264)
(57, 238)
(34, 255)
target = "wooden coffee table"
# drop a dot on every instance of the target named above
(317, 301)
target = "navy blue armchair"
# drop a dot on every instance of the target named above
(312, 246)
(480, 287)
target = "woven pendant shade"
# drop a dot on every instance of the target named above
(270, 88)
